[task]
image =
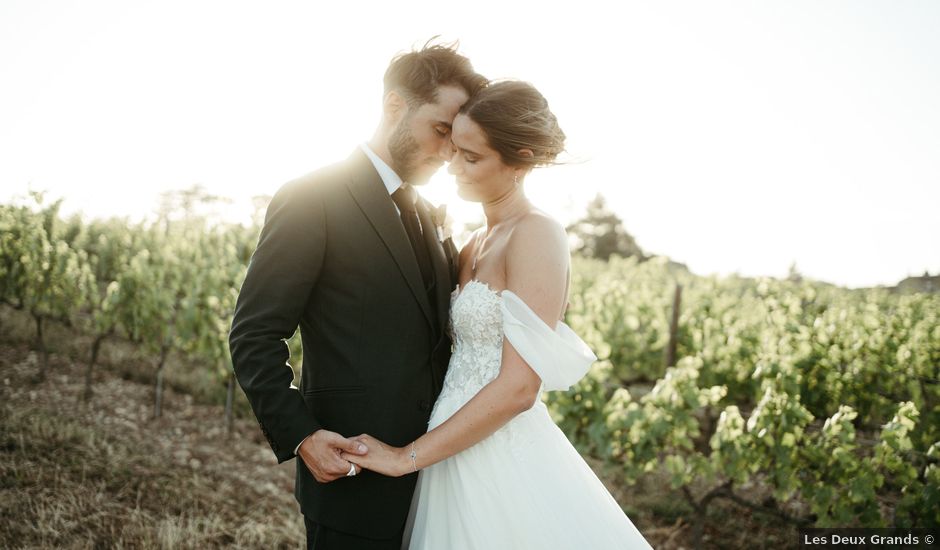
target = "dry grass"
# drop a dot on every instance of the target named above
(109, 476)
(665, 517)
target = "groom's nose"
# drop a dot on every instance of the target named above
(445, 150)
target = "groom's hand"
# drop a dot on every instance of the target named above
(321, 454)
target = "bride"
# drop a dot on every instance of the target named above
(495, 471)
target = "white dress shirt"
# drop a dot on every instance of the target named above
(391, 180)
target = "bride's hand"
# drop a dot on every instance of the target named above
(381, 458)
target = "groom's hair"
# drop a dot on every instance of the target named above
(418, 74)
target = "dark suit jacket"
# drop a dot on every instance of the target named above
(334, 258)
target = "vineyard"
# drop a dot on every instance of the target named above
(821, 400)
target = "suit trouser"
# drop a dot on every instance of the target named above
(324, 538)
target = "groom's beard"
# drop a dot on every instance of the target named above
(405, 153)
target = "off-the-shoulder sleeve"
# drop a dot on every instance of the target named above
(560, 357)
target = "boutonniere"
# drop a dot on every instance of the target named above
(442, 222)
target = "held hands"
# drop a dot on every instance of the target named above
(381, 458)
(327, 454)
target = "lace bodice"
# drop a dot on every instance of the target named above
(480, 318)
(477, 329)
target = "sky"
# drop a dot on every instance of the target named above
(736, 137)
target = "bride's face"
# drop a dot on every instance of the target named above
(481, 174)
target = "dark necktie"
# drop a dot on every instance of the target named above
(404, 197)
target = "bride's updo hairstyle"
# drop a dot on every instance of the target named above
(514, 116)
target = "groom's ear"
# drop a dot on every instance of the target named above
(394, 107)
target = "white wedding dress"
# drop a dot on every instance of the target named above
(525, 486)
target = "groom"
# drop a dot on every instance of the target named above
(351, 255)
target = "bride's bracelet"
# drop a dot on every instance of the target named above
(414, 456)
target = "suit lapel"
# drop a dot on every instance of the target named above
(370, 194)
(438, 260)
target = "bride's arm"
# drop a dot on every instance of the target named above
(536, 270)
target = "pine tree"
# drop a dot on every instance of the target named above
(601, 234)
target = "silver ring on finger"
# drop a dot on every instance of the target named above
(352, 470)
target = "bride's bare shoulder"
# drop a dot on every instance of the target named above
(538, 244)
(537, 263)
(539, 230)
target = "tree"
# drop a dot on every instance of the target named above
(194, 203)
(600, 233)
(793, 274)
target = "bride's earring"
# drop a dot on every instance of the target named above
(515, 179)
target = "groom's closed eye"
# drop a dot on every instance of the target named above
(442, 130)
